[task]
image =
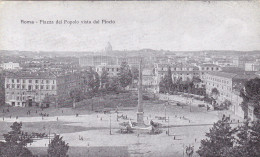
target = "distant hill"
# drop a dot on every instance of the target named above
(144, 52)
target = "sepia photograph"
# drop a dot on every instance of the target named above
(130, 78)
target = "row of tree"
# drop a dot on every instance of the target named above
(16, 142)
(94, 82)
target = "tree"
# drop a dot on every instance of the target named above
(214, 91)
(75, 95)
(248, 143)
(93, 81)
(251, 96)
(2, 90)
(104, 78)
(125, 75)
(220, 139)
(15, 143)
(58, 147)
(163, 86)
(113, 84)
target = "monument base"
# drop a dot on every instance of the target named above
(140, 118)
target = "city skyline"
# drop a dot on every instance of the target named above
(174, 26)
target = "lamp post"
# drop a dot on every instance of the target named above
(165, 112)
(110, 124)
(168, 126)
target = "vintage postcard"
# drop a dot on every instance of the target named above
(129, 78)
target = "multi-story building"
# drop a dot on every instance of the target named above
(149, 82)
(96, 60)
(10, 66)
(179, 72)
(228, 85)
(206, 68)
(30, 88)
(112, 70)
(132, 61)
(253, 66)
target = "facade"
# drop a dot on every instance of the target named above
(149, 82)
(254, 66)
(112, 70)
(179, 72)
(29, 89)
(10, 66)
(96, 60)
(229, 86)
(132, 61)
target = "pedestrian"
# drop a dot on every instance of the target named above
(57, 118)
(16, 117)
(174, 137)
(195, 139)
(3, 118)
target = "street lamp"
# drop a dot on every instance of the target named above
(168, 126)
(165, 112)
(110, 124)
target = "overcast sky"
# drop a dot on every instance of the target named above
(156, 25)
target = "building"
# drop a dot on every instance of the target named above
(112, 70)
(206, 68)
(25, 88)
(10, 66)
(229, 86)
(149, 82)
(96, 60)
(253, 66)
(179, 72)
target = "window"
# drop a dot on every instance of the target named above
(18, 86)
(30, 81)
(36, 81)
(47, 87)
(53, 87)
(13, 86)
(41, 86)
(23, 86)
(12, 80)
(47, 81)
(18, 81)
(29, 87)
(53, 82)
(23, 81)
(36, 87)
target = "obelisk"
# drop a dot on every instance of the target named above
(140, 110)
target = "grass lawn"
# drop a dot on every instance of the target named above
(119, 151)
(43, 127)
